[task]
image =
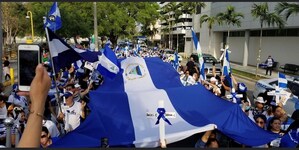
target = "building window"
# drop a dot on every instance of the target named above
(188, 39)
(198, 36)
(276, 32)
(198, 9)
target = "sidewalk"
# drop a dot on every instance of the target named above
(252, 70)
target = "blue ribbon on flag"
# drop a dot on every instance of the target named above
(161, 112)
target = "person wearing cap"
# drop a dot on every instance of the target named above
(72, 112)
(241, 88)
(78, 93)
(213, 87)
(258, 108)
(14, 100)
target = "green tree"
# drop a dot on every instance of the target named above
(171, 9)
(76, 18)
(229, 17)
(164, 31)
(288, 8)
(191, 7)
(120, 19)
(210, 20)
(13, 21)
(261, 11)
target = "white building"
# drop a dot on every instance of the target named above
(244, 41)
(176, 38)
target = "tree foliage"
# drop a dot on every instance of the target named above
(287, 8)
(115, 19)
(13, 20)
(77, 18)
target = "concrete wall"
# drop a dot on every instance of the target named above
(248, 22)
(282, 49)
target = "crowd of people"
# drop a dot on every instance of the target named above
(65, 103)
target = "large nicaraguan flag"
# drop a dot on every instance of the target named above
(119, 110)
(53, 21)
(282, 81)
(200, 58)
(64, 55)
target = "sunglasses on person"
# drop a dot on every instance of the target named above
(260, 122)
(43, 136)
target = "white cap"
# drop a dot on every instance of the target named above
(77, 85)
(213, 79)
(260, 100)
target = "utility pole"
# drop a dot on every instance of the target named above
(1, 42)
(95, 26)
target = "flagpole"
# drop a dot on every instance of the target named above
(53, 67)
(95, 26)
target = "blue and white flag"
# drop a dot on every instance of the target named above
(290, 139)
(120, 106)
(282, 81)
(200, 58)
(176, 61)
(78, 64)
(64, 55)
(107, 63)
(226, 69)
(135, 52)
(53, 20)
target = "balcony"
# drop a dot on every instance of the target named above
(180, 31)
(182, 24)
(185, 16)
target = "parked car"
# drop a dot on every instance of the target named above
(170, 54)
(263, 86)
(208, 60)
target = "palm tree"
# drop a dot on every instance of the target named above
(191, 8)
(230, 17)
(171, 7)
(210, 20)
(163, 17)
(271, 18)
(289, 8)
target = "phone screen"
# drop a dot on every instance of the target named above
(28, 60)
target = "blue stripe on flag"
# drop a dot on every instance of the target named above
(282, 81)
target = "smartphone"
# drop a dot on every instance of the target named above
(28, 59)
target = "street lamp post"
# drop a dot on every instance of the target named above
(29, 15)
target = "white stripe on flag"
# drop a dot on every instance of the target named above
(109, 65)
(56, 47)
(143, 97)
(79, 50)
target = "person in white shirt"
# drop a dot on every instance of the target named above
(269, 62)
(71, 112)
(54, 132)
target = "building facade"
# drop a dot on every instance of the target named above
(173, 32)
(282, 45)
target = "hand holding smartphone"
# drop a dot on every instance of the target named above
(28, 59)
